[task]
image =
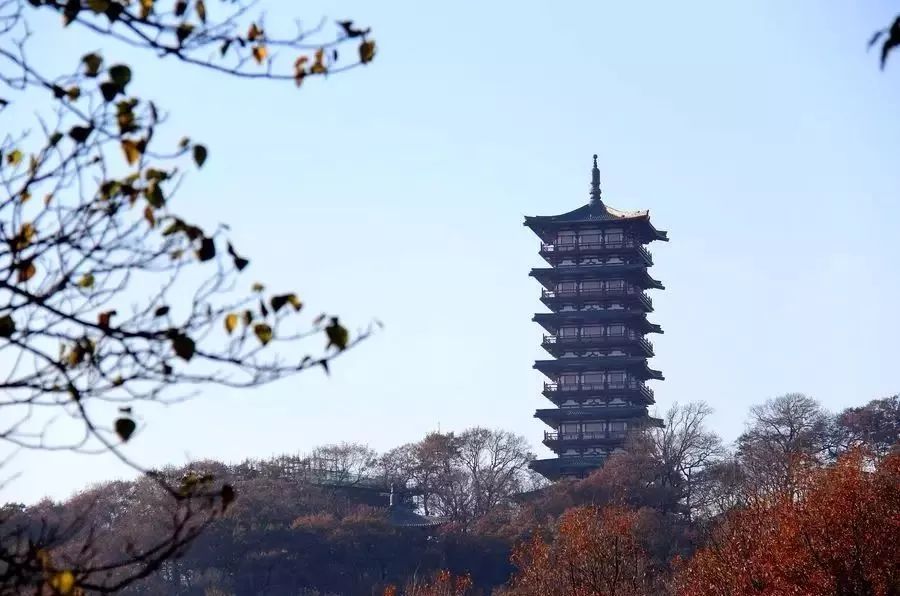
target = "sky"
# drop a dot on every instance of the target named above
(761, 135)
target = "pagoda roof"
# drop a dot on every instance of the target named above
(551, 321)
(595, 212)
(592, 413)
(555, 467)
(598, 363)
(548, 276)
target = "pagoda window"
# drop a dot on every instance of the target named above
(615, 284)
(594, 427)
(566, 239)
(614, 237)
(616, 330)
(568, 381)
(590, 237)
(617, 379)
(593, 378)
(566, 287)
(592, 331)
(568, 332)
(617, 426)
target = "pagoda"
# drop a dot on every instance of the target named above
(596, 290)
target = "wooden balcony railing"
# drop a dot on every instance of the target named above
(597, 339)
(593, 387)
(548, 249)
(576, 293)
(585, 436)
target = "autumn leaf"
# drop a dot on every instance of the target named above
(366, 51)
(92, 63)
(98, 6)
(7, 326)
(103, 319)
(130, 148)
(86, 281)
(318, 66)
(207, 249)
(239, 262)
(154, 194)
(146, 8)
(80, 134)
(263, 333)
(120, 75)
(231, 321)
(254, 32)
(184, 30)
(279, 301)
(14, 157)
(149, 216)
(184, 346)
(200, 154)
(25, 271)
(124, 428)
(63, 582)
(338, 336)
(180, 8)
(257, 287)
(200, 7)
(259, 53)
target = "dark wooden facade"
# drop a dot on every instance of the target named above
(596, 331)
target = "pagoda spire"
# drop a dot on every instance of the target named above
(595, 182)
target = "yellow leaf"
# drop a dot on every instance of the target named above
(23, 239)
(132, 153)
(231, 322)
(146, 8)
(259, 53)
(200, 6)
(63, 582)
(258, 287)
(86, 281)
(263, 333)
(14, 157)
(318, 66)
(24, 196)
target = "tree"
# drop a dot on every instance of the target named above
(88, 223)
(875, 426)
(837, 537)
(595, 552)
(686, 449)
(782, 434)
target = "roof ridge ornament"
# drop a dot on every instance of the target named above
(595, 184)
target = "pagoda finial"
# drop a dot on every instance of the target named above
(595, 181)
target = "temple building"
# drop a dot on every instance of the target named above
(596, 331)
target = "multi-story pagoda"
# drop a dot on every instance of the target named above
(595, 288)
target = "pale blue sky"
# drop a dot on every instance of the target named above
(761, 135)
